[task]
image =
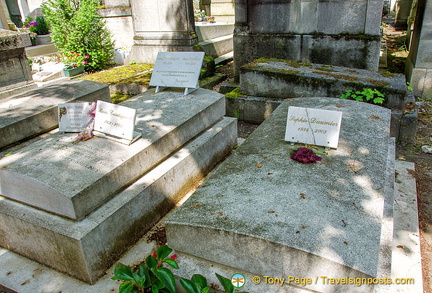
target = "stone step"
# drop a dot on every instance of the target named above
(209, 31)
(277, 217)
(71, 180)
(218, 46)
(85, 249)
(34, 112)
(41, 50)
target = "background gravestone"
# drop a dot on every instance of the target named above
(344, 33)
(162, 25)
(15, 74)
(419, 61)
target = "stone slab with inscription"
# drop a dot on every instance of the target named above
(74, 117)
(71, 180)
(313, 126)
(35, 112)
(267, 213)
(115, 121)
(177, 69)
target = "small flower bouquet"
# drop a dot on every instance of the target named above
(73, 60)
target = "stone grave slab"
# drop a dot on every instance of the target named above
(35, 112)
(86, 248)
(272, 216)
(56, 175)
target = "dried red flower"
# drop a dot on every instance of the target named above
(305, 155)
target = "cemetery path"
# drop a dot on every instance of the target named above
(397, 53)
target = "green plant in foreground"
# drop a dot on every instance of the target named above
(152, 277)
(366, 95)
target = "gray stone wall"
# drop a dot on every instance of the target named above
(344, 33)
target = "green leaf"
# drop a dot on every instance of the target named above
(166, 277)
(122, 272)
(8, 154)
(163, 251)
(378, 100)
(125, 287)
(151, 262)
(205, 290)
(141, 271)
(172, 263)
(226, 284)
(139, 280)
(199, 280)
(189, 286)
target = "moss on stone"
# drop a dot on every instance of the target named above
(235, 93)
(123, 74)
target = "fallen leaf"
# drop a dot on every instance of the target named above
(375, 117)
(4, 167)
(270, 212)
(400, 246)
(269, 173)
(304, 226)
(221, 213)
(8, 273)
(346, 243)
(196, 205)
(259, 165)
(343, 223)
(303, 196)
(340, 106)
(297, 232)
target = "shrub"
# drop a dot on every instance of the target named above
(42, 27)
(77, 27)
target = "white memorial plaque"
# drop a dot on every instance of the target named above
(115, 121)
(313, 126)
(177, 69)
(74, 117)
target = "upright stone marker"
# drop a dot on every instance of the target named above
(344, 33)
(162, 25)
(177, 69)
(74, 117)
(313, 126)
(115, 122)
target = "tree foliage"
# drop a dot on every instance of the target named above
(77, 27)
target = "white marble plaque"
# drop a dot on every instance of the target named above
(115, 120)
(313, 126)
(177, 69)
(74, 117)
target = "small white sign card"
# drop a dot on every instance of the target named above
(177, 69)
(74, 117)
(115, 122)
(313, 126)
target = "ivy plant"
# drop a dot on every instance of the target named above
(366, 95)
